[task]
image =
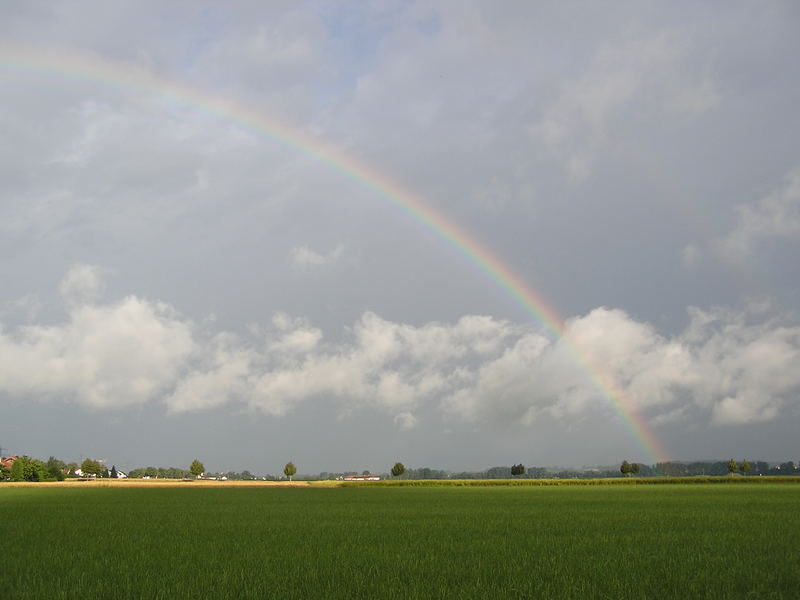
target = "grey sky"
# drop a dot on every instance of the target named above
(177, 285)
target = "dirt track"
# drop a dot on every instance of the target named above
(158, 483)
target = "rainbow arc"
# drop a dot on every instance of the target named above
(69, 64)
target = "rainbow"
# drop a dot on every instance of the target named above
(67, 63)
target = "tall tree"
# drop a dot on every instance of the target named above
(26, 468)
(289, 470)
(196, 468)
(744, 467)
(517, 469)
(92, 467)
(114, 474)
(625, 468)
(55, 468)
(18, 470)
(398, 469)
(634, 468)
(732, 466)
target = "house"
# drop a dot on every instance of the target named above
(362, 477)
(7, 462)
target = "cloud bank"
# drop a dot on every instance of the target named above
(728, 367)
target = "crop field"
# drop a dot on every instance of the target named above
(637, 541)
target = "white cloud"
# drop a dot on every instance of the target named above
(742, 371)
(124, 353)
(721, 367)
(728, 367)
(296, 336)
(221, 379)
(303, 256)
(775, 216)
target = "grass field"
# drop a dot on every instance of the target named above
(637, 541)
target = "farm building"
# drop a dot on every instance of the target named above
(362, 478)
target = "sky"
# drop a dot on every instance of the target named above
(213, 234)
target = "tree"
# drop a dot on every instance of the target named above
(55, 468)
(26, 468)
(289, 470)
(744, 467)
(634, 468)
(625, 468)
(92, 467)
(196, 468)
(517, 469)
(398, 469)
(114, 474)
(18, 470)
(732, 466)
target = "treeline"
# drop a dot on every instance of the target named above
(25, 468)
(745, 467)
(158, 473)
(663, 469)
(508, 472)
(176, 473)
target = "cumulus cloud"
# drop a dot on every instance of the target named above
(383, 365)
(743, 371)
(303, 256)
(106, 356)
(220, 376)
(728, 367)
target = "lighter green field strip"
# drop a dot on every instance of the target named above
(678, 541)
(695, 480)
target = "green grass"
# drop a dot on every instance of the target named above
(679, 541)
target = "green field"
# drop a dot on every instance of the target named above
(670, 541)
